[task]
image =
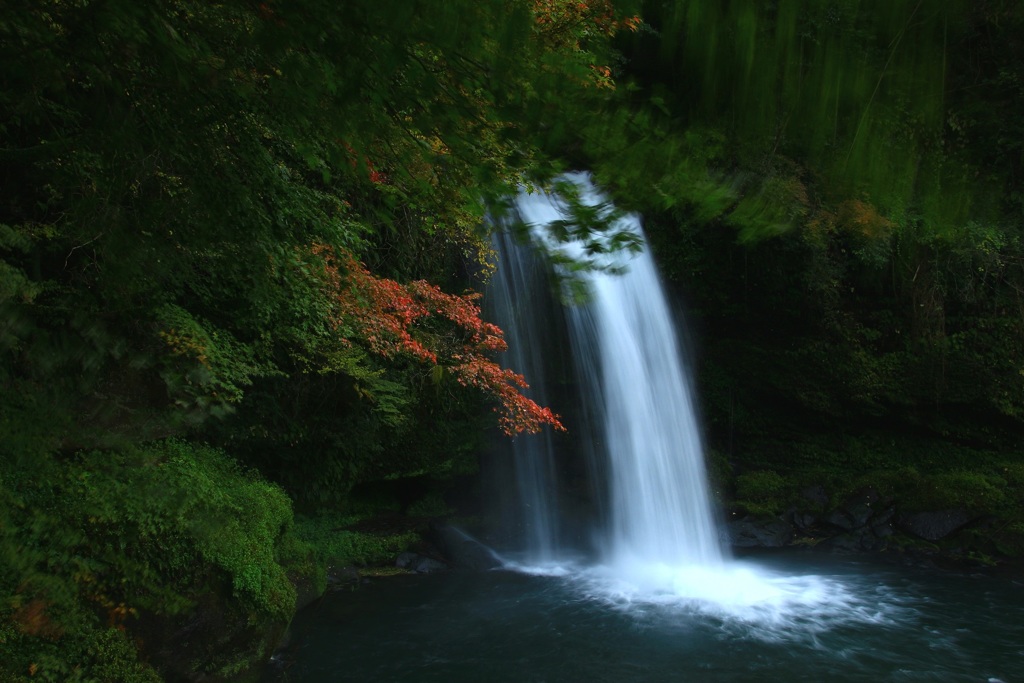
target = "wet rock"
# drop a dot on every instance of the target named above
(804, 520)
(857, 511)
(419, 563)
(218, 633)
(404, 560)
(306, 592)
(883, 516)
(464, 551)
(933, 526)
(863, 540)
(815, 495)
(427, 565)
(771, 533)
(841, 519)
(844, 543)
(868, 495)
(338, 577)
(860, 513)
(882, 529)
(881, 523)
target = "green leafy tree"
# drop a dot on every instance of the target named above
(168, 170)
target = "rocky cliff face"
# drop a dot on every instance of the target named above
(868, 522)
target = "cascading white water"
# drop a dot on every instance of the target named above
(515, 296)
(660, 546)
(630, 371)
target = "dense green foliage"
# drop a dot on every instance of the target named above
(850, 244)
(219, 224)
(865, 236)
(104, 535)
(178, 182)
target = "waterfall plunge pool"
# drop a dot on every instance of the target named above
(793, 616)
(663, 602)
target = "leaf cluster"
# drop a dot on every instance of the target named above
(110, 536)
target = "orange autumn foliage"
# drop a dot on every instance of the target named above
(420, 322)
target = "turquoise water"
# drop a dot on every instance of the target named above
(795, 617)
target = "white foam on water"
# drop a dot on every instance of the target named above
(553, 570)
(742, 599)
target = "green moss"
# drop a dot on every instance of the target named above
(914, 474)
(117, 660)
(762, 492)
(1013, 473)
(719, 473)
(369, 500)
(235, 520)
(891, 482)
(971, 490)
(1009, 539)
(109, 535)
(385, 571)
(334, 543)
(430, 505)
(299, 559)
(904, 543)
(213, 512)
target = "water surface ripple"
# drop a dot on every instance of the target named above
(793, 617)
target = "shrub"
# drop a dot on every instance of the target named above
(960, 489)
(107, 535)
(334, 544)
(762, 492)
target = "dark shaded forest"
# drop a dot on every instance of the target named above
(242, 247)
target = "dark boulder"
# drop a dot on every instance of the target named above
(863, 540)
(213, 641)
(768, 533)
(419, 563)
(462, 550)
(804, 521)
(857, 511)
(846, 543)
(933, 526)
(881, 523)
(841, 520)
(816, 495)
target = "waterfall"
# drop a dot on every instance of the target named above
(518, 301)
(634, 382)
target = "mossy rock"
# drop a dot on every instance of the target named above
(216, 640)
(975, 491)
(762, 492)
(344, 540)
(174, 542)
(1009, 539)
(87, 653)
